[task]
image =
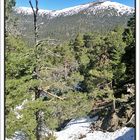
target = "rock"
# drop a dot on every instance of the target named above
(130, 88)
(131, 122)
(129, 112)
(110, 122)
(113, 122)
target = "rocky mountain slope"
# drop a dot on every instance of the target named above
(66, 23)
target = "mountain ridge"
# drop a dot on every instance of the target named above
(88, 7)
(63, 25)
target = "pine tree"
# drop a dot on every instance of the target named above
(81, 53)
(9, 5)
(116, 48)
(11, 22)
(23, 72)
(105, 69)
(19, 88)
(33, 75)
(129, 57)
(99, 71)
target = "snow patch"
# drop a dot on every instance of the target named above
(80, 129)
(18, 108)
(28, 11)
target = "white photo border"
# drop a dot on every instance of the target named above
(1, 69)
(137, 6)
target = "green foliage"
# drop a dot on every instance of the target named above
(89, 68)
(9, 4)
(65, 28)
(58, 68)
(80, 52)
(129, 56)
(19, 67)
(19, 58)
(75, 105)
(28, 117)
(116, 48)
(99, 71)
(101, 65)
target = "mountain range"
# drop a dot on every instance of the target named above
(66, 23)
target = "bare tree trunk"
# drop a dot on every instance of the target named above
(114, 105)
(37, 91)
(35, 13)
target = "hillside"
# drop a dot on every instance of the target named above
(64, 24)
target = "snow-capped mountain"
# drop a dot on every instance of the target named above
(92, 8)
(28, 11)
(66, 23)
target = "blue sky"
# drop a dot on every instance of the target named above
(60, 4)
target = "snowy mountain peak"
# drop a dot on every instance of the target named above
(28, 10)
(92, 7)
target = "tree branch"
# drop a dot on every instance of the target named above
(36, 7)
(32, 6)
(53, 95)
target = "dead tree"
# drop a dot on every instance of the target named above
(35, 13)
(37, 91)
(35, 75)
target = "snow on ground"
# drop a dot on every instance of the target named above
(122, 134)
(78, 128)
(18, 108)
(74, 128)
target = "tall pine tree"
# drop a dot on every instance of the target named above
(129, 56)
